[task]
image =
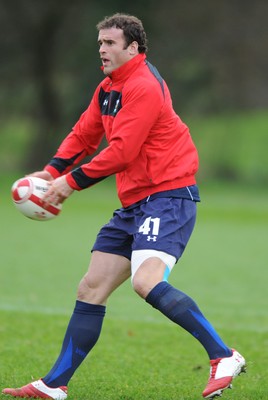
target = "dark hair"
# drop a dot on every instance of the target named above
(132, 28)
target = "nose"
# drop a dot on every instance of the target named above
(101, 49)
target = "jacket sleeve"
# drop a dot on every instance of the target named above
(82, 141)
(141, 105)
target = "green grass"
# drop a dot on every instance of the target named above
(140, 354)
(232, 146)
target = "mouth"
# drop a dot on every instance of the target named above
(105, 61)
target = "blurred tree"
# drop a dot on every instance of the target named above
(216, 53)
(47, 47)
(34, 26)
(213, 56)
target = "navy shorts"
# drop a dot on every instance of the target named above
(163, 224)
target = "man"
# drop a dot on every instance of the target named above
(152, 154)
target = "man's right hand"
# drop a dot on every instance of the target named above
(42, 175)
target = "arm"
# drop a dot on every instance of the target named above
(141, 106)
(83, 140)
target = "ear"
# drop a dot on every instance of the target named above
(133, 48)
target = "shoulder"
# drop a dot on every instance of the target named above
(101, 89)
(104, 84)
(146, 80)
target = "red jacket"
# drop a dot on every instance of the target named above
(149, 148)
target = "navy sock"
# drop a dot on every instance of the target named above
(81, 335)
(182, 310)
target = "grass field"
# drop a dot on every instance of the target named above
(140, 355)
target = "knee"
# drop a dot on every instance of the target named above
(139, 286)
(148, 268)
(83, 288)
(147, 276)
(91, 291)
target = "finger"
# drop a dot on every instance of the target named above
(50, 197)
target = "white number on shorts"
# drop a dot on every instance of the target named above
(145, 228)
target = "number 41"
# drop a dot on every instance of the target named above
(145, 228)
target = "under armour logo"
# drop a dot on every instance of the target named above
(105, 102)
(80, 352)
(153, 238)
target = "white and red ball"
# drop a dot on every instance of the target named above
(27, 194)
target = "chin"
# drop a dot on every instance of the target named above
(107, 71)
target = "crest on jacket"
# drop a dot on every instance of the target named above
(110, 102)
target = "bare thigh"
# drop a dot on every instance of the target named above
(105, 273)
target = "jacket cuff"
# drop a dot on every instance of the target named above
(53, 171)
(71, 182)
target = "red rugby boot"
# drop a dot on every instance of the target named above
(222, 372)
(38, 390)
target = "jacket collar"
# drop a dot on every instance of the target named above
(123, 72)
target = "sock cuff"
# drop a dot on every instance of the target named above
(155, 294)
(87, 308)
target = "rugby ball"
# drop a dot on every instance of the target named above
(27, 194)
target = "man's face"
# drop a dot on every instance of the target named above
(113, 50)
